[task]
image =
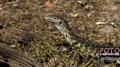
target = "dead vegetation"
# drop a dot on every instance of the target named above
(93, 19)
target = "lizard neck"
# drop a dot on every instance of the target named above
(68, 34)
(75, 40)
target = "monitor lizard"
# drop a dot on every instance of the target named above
(86, 46)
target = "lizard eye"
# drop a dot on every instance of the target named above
(54, 18)
(60, 22)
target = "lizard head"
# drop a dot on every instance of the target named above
(59, 23)
(54, 19)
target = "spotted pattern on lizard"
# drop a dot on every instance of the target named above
(85, 45)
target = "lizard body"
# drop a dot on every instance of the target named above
(86, 46)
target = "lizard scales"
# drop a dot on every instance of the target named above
(74, 40)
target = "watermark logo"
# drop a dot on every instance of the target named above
(109, 53)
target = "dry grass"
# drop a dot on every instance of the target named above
(47, 46)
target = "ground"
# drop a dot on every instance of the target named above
(93, 19)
